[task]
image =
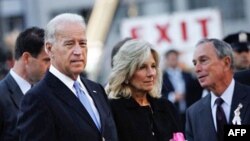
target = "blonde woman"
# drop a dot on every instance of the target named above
(134, 88)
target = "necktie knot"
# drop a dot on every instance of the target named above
(76, 85)
(219, 101)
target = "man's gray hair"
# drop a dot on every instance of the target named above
(222, 48)
(56, 22)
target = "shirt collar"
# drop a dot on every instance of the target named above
(65, 79)
(227, 95)
(22, 83)
(173, 71)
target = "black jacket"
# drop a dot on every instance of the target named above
(51, 112)
(10, 97)
(243, 77)
(136, 123)
(192, 87)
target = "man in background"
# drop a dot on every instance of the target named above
(3, 62)
(31, 63)
(240, 42)
(179, 86)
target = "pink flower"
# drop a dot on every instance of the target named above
(178, 136)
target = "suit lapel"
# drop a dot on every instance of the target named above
(207, 118)
(15, 92)
(167, 82)
(239, 96)
(68, 97)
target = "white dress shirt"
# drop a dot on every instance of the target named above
(22, 83)
(227, 96)
(69, 83)
(177, 80)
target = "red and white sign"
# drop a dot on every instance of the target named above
(179, 30)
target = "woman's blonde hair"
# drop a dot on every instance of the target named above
(128, 59)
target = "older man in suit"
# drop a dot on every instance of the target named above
(64, 106)
(31, 63)
(206, 118)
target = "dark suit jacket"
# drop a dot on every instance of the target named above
(10, 97)
(192, 86)
(51, 112)
(243, 77)
(199, 122)
(134, 124)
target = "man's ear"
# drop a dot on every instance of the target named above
(48, 47)
(227, 61)
(26, 57)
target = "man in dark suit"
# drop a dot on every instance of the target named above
(206, 118)
(240, 43)
(180, 87)
(4, 69)
(64, 106)
(243, 77)
(31, 63)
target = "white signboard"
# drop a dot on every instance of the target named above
(179, 30)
